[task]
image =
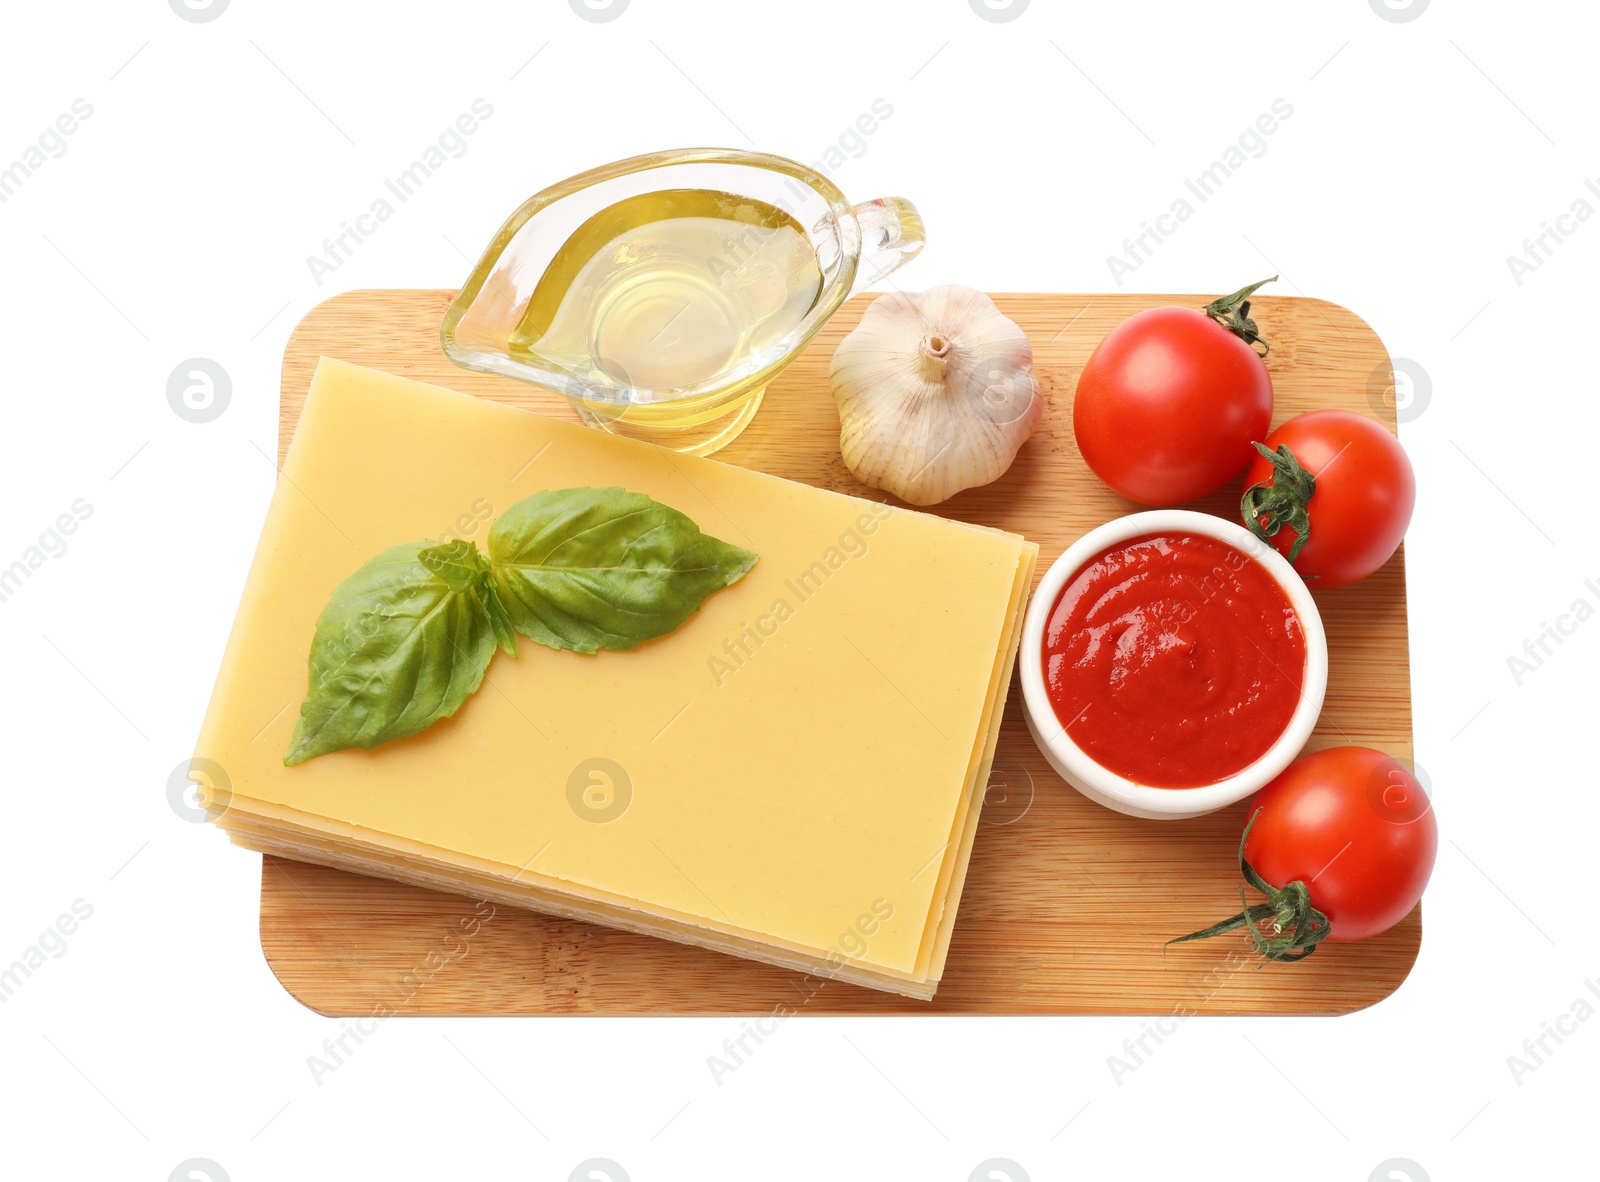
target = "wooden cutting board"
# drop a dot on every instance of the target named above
(1066, 905)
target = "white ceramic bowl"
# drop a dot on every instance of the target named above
(1106, 787)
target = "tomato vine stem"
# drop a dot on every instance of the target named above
(1297, 926)
(1233, 313)
(1282, 499)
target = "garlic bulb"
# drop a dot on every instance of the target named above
(935, 393)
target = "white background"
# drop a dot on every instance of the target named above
(177, 223)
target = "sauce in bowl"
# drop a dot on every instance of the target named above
(1174, 660)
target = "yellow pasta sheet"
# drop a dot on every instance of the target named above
(798, 760)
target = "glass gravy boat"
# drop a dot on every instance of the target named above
(661, 294)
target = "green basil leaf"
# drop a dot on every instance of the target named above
(592, 568)
(407, 639)
(402, 643)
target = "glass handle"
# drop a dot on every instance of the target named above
(891, 235)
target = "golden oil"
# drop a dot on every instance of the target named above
(677, 293)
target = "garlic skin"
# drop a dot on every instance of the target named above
(935, 393)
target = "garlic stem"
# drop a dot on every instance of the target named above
(935, 350)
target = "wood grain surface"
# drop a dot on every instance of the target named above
(1067, 904)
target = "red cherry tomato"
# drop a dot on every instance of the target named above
(1171, 400)
(1355, 518)
(1356, 828)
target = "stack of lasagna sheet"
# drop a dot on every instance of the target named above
(793, 776)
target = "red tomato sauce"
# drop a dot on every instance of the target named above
(1174, 660)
